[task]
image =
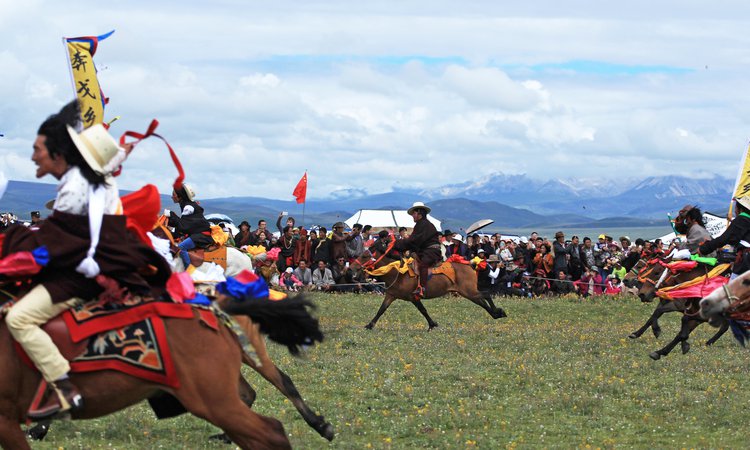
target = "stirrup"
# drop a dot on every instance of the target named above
(418, 293)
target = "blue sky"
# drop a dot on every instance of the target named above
(387, 93)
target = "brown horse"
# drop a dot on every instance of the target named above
(401, 286)
(207, 363)
(660, 277)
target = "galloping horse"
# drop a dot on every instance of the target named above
(206, 361)
(401, 286)
(661, 277)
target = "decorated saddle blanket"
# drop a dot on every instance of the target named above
(216, 255)
(128, 338)
(699, 286)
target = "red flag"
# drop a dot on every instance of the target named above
(300, 192)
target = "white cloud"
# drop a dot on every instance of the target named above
(410, 94)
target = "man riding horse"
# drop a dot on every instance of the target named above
(423, 242)
(191, 225)
(79, 264)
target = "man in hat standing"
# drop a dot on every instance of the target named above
(423, 242)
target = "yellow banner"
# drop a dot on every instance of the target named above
(742, 184)
(80, 54)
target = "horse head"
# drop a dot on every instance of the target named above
(732, 298)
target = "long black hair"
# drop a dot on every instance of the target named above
(58, 141)
(696, 215)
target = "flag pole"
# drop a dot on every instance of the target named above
(305, 202)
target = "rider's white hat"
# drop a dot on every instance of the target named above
(418, 205)
(744, 201)
(96, 145)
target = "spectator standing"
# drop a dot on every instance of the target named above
(321, 247)
(356, 245)
(287, 245)
(575, 265)
(560, 252)
(302, 248)
(588, 256)
(244, 237)
(338, 241)
(289, 222)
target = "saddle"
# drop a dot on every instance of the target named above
(215, 254)
(128, 338)
(441, 267)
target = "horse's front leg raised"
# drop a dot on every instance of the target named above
(719, 334)
(383, 306)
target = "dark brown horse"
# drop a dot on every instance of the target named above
(207, 363)
(660, 277)
(401, 286)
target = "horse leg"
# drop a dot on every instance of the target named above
(499, 312)
(720, 333)
(686, 326)
(420, 306)
(247, 394)
(473, 294)
(214, 394)
(383, 306)
(279, 379)
(652, 322)
(691, 324)
(39, 431)
(11, 435)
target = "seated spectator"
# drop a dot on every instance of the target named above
(262, 239)
(342, 274)
(613, 285)
(562, 285)
(619, 271)
(590, 283)
(304, 274)
(289, 281)
(322, 277)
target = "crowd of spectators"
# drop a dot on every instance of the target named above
(319, 259)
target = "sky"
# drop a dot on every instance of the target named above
(386, 95)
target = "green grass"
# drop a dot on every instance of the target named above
(557, 373)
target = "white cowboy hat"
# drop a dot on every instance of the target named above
(189, 191)
(458, 237)
(418, 205)
(744, 201)
(96, 145)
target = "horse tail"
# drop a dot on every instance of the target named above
(287, 322)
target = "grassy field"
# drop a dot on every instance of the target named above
(557, 373)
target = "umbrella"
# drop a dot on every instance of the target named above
(478, 225)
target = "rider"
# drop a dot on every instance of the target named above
(695, 230)
(737, 234)
(87, 206)
(191, 224)
(423, 242)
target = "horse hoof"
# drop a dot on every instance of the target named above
(37, 432)
(709, 343)
(657, 332)
(221, 438)
(685, 347)
(500, 313)
(654, 355)
(633, 336)
(432, 325)
(327, 432)
(369, 326)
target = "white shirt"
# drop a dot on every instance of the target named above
(73, 194)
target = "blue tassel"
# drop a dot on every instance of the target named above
(739, 331)
(199, 299)
(41, 255)
(236, 289)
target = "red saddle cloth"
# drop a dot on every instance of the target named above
(127, 338)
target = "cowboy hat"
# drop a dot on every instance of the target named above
(189, 191)
(458, 237)
(96, 145)
(447, 233)
(744, 201)
(418, 205)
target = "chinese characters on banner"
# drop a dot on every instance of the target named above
(80, 53)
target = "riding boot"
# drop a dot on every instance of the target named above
(63, 397)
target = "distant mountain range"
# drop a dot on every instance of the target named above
(513, 201)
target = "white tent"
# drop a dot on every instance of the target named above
(379, 218)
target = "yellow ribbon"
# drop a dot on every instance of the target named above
(395, 265)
